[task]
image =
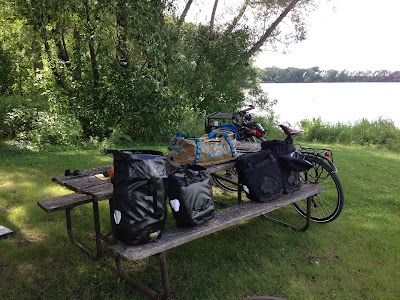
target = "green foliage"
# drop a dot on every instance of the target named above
(9, 103)
(380, 133)
(133, 69)
(38, 128)
(6, 75)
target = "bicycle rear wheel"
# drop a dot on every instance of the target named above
(327, 205)
(231, 175)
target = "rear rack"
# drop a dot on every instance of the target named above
(208, 125)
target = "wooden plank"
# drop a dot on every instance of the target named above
(71, 180)
(242, 146)
(100, 192)
(225, 218)
(64, 202)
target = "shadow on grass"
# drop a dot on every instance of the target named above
(258, 257)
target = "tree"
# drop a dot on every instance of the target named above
(6, 78)
(140, 64)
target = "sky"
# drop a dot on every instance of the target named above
(356, 35)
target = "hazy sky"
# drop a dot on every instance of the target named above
(346, 34)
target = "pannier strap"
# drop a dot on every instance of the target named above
(153, 187)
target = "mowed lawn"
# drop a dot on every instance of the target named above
(355, 257)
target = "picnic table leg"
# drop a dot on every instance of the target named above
(144, 289)
(99, 248)
(72, 237)
(98, 235)
(308, 218)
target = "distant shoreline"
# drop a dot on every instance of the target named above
(314, 74)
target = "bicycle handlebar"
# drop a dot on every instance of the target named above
(244, 111)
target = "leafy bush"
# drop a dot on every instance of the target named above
(40, 128)
(382, 133)
(6, 74)
(8, 103)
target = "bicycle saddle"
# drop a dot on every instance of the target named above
(289, 131)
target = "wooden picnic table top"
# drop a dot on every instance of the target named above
(88, 183)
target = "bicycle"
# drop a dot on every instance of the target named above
(327, 206)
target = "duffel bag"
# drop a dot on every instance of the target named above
(216, 147)
(260, 175)
(140, 195)
(190, 195)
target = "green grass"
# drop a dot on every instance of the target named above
(355, 257)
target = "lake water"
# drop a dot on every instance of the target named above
(335, 102)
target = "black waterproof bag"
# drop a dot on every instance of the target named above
(290, 162)
(190, 195)
(140, 195)
(260, 175)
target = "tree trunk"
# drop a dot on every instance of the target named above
(238, 16)
(211, 28)
(37, 58)
(77, 72)
(53, 68)
(256, 47)
(93, 58)
(122, 48)
(184, 13)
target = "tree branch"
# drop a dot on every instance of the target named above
(122, 23)
(184, 13)
(93, 58)
(211, 28)
(256, 47)
(238, 16)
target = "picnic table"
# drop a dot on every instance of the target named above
(90, 187)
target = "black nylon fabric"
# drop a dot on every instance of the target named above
(261, 175)
(279, 147)
(290, 162)
(140, 195)
(191, 186)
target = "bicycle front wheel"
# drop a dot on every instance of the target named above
(327, 205)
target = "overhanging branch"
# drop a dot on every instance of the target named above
(184, 13)
(238, 16)
(211, 28)
(256, 47)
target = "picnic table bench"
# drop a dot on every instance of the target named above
(89, 188)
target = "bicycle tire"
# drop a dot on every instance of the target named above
(327, 205)
(230, 174)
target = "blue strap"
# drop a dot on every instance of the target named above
(214, 134)
(198, 148)
(174, 148)
(181, 135)
(233, 150)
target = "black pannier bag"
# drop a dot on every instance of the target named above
(190, 195)
(290, 162)
(260, 175)
(279, 147)
(140, 195)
